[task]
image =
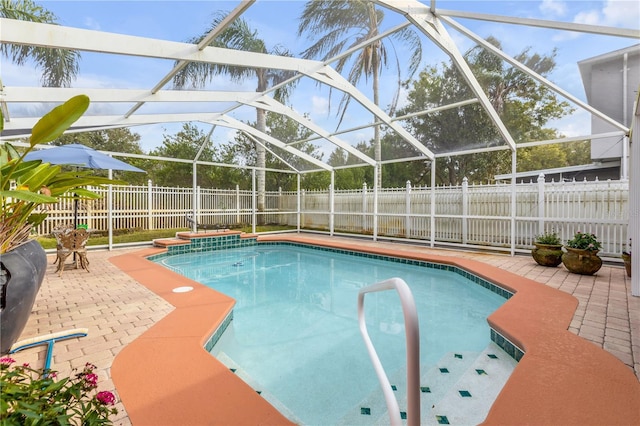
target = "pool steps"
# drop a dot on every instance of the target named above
(444, 402)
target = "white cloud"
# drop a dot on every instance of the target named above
(553, 8)
(577, 124)
(614, 13)
(319, 105)
(622, 13)
(590, 17)
(92, 24)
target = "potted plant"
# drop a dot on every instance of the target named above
(626, 258)
(26, 187)
(548, 249)
(581, 255)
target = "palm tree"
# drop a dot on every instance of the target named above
(59, 66)
(240, 36)
(337, 25)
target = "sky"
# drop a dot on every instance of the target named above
(276, 23)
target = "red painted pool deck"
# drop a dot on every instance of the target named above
(581, 336)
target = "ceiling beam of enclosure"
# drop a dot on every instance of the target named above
(426, 18)
(244, 5)
(429, 23)
(476, 38)
(54, 36)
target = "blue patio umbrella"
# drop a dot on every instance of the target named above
(78, 155)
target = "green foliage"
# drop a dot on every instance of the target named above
(584, 241)
(183, 145)
(242, 151)
(524, 106)
(36, 397)
(550, 238)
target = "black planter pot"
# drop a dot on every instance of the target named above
(21, 274)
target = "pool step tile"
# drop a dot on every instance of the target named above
(468, 401)
(433, 387)
(461, 396)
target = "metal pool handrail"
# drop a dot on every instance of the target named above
(412, 335)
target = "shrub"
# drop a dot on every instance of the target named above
(37, 397)
(550, 238)
(584, 241)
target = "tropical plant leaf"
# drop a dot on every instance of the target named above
(36, 219)
(40, 176)
(31, 197)
(59, 119)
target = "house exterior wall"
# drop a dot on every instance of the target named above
(611, 82)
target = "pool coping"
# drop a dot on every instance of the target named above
(562, 378)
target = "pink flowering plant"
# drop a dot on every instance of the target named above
(37, 397)
(584, 241)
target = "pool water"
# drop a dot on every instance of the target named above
(295, 332)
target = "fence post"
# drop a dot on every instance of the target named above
(465, 210)
(303, 204)
(376, 189)
(407, 202)
(364, 207)
(237, 203)
(89, 210)
(197, 206)
(110, 214)
(150, 223)
(254, 201)
(332, 208)
(280, 219)
(298, 195)
(432, 208)
(541, 213)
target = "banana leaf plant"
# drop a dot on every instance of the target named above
(27, 187)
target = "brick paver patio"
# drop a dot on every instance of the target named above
(116, 310)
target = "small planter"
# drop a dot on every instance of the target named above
(547, 254)
(583, 262)
(626, 257)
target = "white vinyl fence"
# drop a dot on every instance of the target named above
(466, 215)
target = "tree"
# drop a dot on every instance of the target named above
(337, 25)
(289, 131)
(59, 66)
(238, 35)
(524, 105)
(183, 145)
(350, 177)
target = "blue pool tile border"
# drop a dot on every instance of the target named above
(506, 345)
(202, 244)
(213, 339)
(224, 242)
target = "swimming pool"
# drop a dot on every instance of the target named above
(295, 335)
